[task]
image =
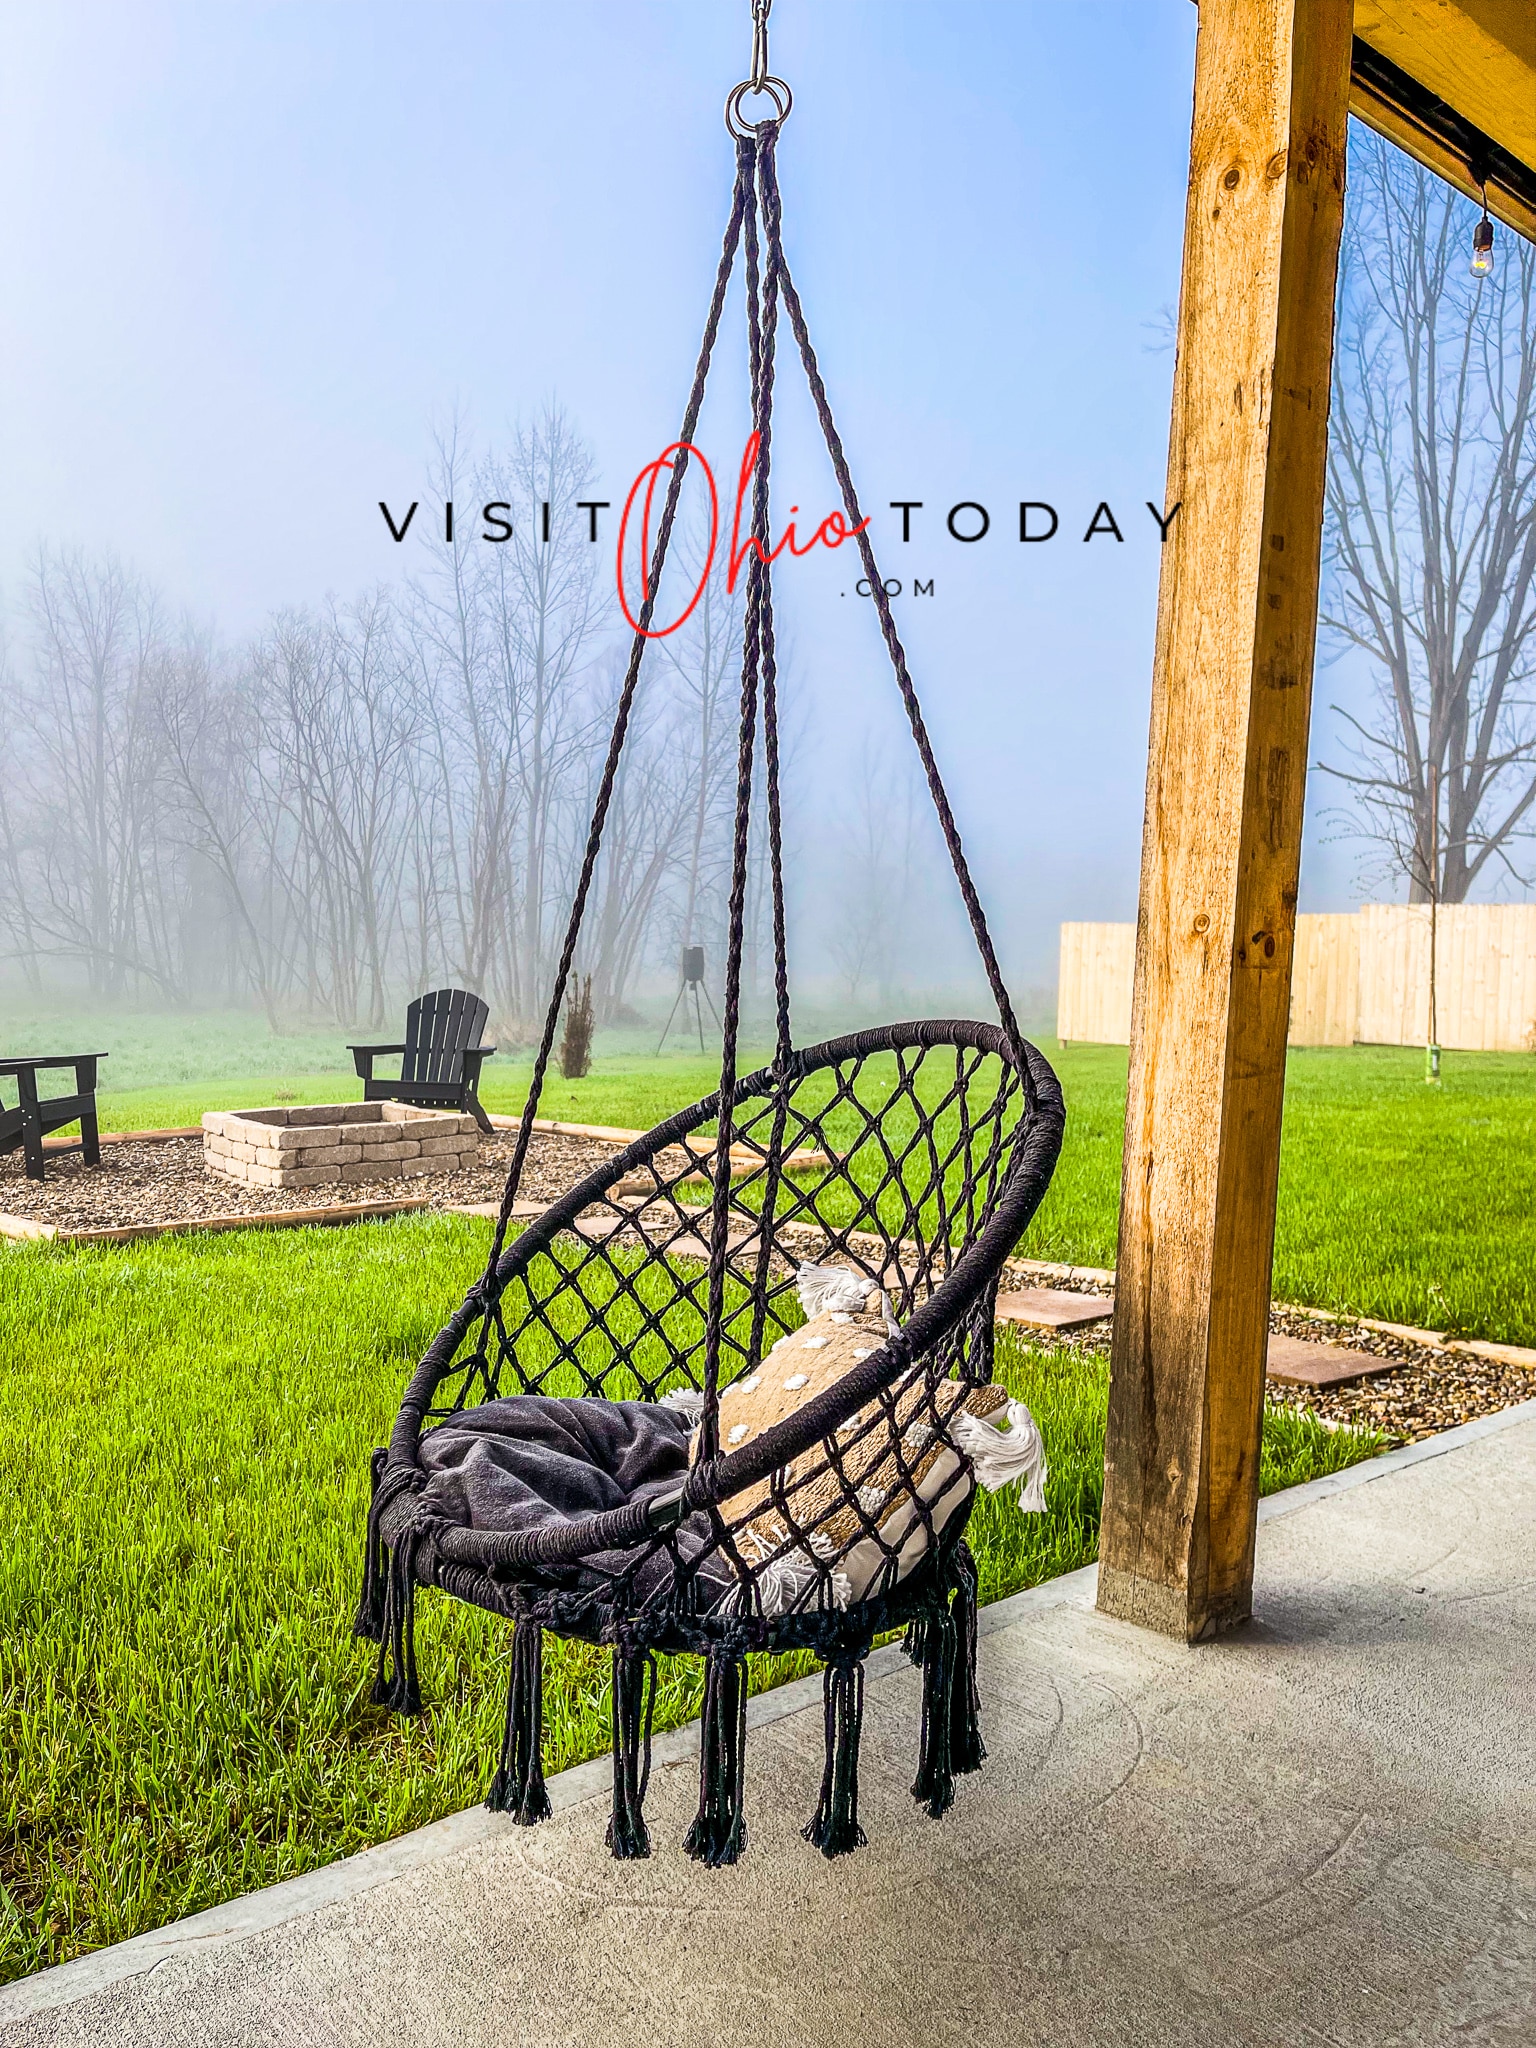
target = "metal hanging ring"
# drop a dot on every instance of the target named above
(783, 99)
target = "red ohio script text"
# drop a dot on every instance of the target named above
(831, 533)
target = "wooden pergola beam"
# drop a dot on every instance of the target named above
(1425, 125)
(1237, 615)
(1478, 56)
(1454, 82)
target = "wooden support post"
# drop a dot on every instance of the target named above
(1231, 695)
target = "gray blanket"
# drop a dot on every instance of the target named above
(531, 1461)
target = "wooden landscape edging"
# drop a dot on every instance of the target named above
(128, 1138)
(269, 1219)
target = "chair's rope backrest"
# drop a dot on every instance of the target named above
(889, 1156)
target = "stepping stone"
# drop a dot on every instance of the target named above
(1300, 1364)
(1053, 1308)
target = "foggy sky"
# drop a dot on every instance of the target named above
(254, 253)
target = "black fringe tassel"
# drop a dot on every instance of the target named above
(386, 1608)
(934, 1785)
(634, 1704)
(718, 1832)
(915, 1641)
(835, 1831)
(518, 1786)
(967, 1751)
(394, 1684)
(368, 1622)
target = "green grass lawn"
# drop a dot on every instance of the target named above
(183, 1457)
(1397, 1200)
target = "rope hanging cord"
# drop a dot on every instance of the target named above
(755, 162)
(740, 200)
(773, 230)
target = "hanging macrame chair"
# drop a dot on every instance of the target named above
(629, 1433)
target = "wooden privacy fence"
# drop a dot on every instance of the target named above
(1359, 978)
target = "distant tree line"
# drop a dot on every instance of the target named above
(365, 799)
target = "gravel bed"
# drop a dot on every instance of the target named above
(1433, 1389)
(1417, 1401)
(167, 1181)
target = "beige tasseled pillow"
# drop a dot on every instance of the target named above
(819, 1497)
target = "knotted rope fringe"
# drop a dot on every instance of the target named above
(718, 1831)
(934, 1785)
(368, 1622)
(518, 1786)
(835, 1831)
(633, 1705)
(967, 1751)
(945, 1645)
(386, 1608)
(394, 1684)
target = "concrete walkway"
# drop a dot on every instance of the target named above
(1321, 1829)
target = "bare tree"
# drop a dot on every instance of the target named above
(878, 843)
(502, 639)
(211, 723)
(341, 726)
(1432, 528)
(86, 717)
(540, 591)
(365, 798)
(15, 909)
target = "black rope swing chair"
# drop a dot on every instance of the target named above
(753, 1420)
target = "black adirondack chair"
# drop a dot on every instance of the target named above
(441, 1056)
(34, 1116)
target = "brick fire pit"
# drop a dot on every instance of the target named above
(318, 1143)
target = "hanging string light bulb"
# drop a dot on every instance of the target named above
(1482, 240)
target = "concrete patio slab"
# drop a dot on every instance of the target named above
(1321, 1828)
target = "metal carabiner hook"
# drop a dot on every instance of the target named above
(759, 72)
(761, 80)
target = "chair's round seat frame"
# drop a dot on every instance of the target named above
(503, 1573)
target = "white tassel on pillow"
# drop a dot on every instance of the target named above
(999, 1456)
(824, 1289)
(688, 1402)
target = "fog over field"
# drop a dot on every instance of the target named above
(270, 267)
